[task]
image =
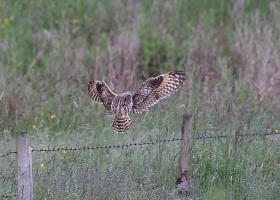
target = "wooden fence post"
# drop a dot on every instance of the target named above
(24, 167)
(185, 182)
(185, 143)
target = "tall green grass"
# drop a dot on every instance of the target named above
(229, 50)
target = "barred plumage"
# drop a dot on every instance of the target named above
(152, 90)
(122, 121)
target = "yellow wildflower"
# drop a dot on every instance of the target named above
(53, 116)
(75, 21)
(276, 131)
(34, 126)
(64, 151)
(36, 119)
(42, 165)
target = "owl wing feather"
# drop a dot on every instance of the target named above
(101, 93)
(155, 89)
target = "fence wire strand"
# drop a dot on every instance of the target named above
(8, 196)
(97, 147)
(6, 154)
(109, 146)
(203, 136)
(213, 136)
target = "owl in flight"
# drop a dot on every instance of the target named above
(152, 90)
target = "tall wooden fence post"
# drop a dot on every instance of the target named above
(24, 167)
(185, 143)
(185, 183)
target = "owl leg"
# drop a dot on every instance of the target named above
(121, 122)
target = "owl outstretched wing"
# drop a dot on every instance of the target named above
(155, 89)
(101, 93)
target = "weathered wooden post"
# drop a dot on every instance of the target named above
(24, 167)
(185, 183)
(185, 143)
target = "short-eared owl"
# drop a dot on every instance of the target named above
(152, 90)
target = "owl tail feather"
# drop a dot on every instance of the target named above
(122, 122)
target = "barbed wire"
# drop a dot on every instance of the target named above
(97, 147)
(8, 196)
(6, 154)
(212, 136)
(107, 147)
(205, 136)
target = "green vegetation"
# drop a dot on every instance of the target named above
(230, 52)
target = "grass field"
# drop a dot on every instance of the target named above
(230, 52)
